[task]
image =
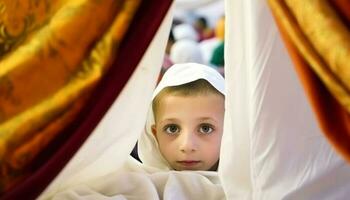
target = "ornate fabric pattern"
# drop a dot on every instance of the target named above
(53, 54)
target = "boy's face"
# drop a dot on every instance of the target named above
(189, 130)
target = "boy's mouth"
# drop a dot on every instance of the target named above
(188, 163)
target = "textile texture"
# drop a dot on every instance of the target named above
(53, 55)
(317, 36)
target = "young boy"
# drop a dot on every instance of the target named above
(187, 121)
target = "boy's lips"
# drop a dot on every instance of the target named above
(188, 162)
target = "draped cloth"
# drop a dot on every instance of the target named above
(49, 68)
(320, 47)
(272, 146)
(54, 82)
(102, 168)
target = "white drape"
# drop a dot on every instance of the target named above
(272, 147)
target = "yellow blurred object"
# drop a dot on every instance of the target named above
(220, 28)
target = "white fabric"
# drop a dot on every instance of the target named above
(185, 31)
(207, 48)
(103, 169)
(178, 74)
(272, 146)
(184, 51)
(135, 181)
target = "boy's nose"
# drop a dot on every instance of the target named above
(188, 142)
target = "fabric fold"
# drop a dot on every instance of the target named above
(321, 40)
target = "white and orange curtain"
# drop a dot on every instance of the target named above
(74, 94)
(274, 144)
(319, 45)
(62, 65)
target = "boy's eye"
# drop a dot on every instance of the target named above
(171, 129)
(206, 128)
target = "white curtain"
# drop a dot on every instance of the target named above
(272, 146)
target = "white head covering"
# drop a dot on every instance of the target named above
(185, 31)
(185, 51)
(178, 74)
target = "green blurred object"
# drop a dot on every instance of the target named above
(218, 55)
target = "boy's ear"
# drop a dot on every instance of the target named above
(154, 130)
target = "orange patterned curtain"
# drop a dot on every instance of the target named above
(52, 55)
(317, 35)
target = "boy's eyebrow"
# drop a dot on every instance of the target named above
(207, 118)
(168, 119)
